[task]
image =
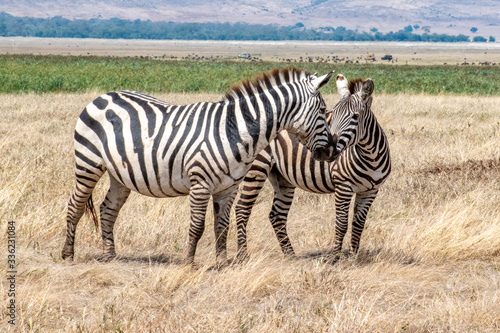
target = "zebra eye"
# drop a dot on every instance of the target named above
(322, 110)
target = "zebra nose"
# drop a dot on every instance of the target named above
(333, 141)
(329, 152)
(334, 152)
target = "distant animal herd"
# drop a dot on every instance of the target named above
(333, 59)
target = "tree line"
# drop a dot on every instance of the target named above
(60, 27)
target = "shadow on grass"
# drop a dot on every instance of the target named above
(363, 257)
(167, 260)
(157, 259)
(151, 259)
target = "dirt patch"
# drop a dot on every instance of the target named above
(477, 168)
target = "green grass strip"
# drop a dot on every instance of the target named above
(67, 74)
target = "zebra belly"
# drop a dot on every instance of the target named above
(142, 167)
(312, 176)
(362, 186)
(359, 182)
(160, 184)
(174, 176)
(296, 164)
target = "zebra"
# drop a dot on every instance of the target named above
(202, 150)
(361, 168)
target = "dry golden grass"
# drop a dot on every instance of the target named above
(429, 257)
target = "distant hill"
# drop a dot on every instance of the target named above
(434, 16)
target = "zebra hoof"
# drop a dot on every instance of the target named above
(241, 258)
(332, 259)
(188, 261)
(222, 264)
(67, 254)
(67, 257)
(108, 257)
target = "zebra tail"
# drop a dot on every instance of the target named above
(90, 210)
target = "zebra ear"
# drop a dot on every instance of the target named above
(342, 86)
(367, 90)
(321, 81)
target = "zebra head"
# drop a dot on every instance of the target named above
(309, 124)
(355, 101)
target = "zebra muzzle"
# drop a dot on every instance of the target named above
(328, 152)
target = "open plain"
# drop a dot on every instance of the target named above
(412, 53)
(429, 258)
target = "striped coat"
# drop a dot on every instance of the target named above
(201, 150)
(362, 167)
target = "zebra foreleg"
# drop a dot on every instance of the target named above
(283, 198)
(85, 183)
(342, 202)
(252, 185)
(363, 203)
(222, 209)
(110, 207)
(249, 193)
(198, 200)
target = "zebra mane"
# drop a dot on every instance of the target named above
(355, 85)
(265, 80)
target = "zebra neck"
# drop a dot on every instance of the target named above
(373, 142)
(251, 125)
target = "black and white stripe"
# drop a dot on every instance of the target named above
(362, 167)
(202, 149)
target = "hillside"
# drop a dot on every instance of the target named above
(435, 16)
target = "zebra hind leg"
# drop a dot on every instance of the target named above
(362, 205)
(222, 210)
(115, 199)
(283, 198)
(198, 200)
(252, 185)
(85, 183)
